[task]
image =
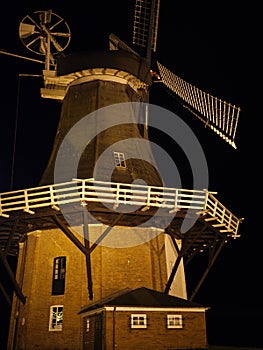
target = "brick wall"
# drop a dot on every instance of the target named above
(119, 334)
(112, 269)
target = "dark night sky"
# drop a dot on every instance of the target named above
(211, 46)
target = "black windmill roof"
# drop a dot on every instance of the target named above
(141, 297)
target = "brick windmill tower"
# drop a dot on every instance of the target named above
(102, 218)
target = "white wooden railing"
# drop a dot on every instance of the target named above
(90, 190)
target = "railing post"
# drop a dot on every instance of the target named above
(52, 199)
(175, 202)
(27, 204)
(149, 196)
(83, 189)
(215, 202)
(229, 221)
(1, 211)
(223, 214)
(117, 195)
(206, 198)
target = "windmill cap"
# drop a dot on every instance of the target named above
(115, 59)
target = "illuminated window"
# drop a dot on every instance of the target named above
(119, 160)
(138, 321)
(56, 318)
(87, 325)
(174, 321)
(59, 275)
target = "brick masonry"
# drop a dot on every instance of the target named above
(113, 269)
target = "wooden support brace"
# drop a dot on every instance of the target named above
(9, 271)
(211, 219)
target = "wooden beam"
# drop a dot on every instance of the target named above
(5, 294)
(171, 278)
(9, 271)
(86, 249)
(108, 229)
(70, 235)
(88, 258)
(211, 263)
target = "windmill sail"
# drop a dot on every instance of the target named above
(222, 117)
(145, 24)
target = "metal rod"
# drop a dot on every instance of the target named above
(19, 56)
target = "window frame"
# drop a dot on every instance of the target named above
(176, 318)
(119, 160)
(137, 317)
(59, 275)
(54, 327)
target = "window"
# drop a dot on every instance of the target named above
(138, 321)
(119, 160)
(174, 321)
(87, 325)
(59, 275)
(56, 318)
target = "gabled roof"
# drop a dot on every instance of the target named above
(141, 297)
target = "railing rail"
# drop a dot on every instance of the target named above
(89, 190)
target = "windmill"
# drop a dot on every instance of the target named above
(85, 83)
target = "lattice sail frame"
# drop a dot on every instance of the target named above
(142, 23)
(222, 117)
